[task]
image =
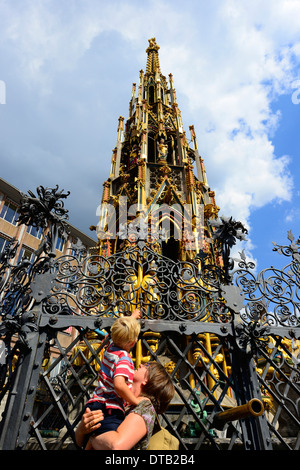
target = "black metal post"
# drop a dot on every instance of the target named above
(255, 430)
(15, 423)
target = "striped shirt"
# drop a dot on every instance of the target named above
(115, 362)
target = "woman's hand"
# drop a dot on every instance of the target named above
(90, 421)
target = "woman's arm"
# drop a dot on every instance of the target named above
(128, 434)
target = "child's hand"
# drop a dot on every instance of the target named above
(136, 313)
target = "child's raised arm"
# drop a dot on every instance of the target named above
(124, 391)
(136, 313)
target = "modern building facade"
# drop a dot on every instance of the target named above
(29, 238)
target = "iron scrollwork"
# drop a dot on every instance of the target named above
(46, 211)
(249, 336)
(25, 325)
(227, 232)
(260, 301)
(241, 303)
(271, 296)
(140, 276)
(30, 281)
(137, 277)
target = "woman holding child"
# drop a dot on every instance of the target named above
(150, 390)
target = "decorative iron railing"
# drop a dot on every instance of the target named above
(226, 336)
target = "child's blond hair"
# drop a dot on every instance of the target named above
(125, 330)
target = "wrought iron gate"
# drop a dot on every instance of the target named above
(227, 337)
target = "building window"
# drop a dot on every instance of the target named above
(60, 244)
(10, 213)
(35, 231)
(58, 370)
(3, 243)
(25, 253)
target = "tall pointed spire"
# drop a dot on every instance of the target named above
(153, 58)
(153, 165)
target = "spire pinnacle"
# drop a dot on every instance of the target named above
(153, 58)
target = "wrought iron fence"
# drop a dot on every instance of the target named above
(227, 337)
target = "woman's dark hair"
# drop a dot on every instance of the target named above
(159, 387)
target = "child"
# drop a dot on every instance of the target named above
(116, 374)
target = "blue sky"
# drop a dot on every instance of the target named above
(68, 68)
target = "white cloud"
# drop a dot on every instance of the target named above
(230, 80)
(229, 60)
(293, 215)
